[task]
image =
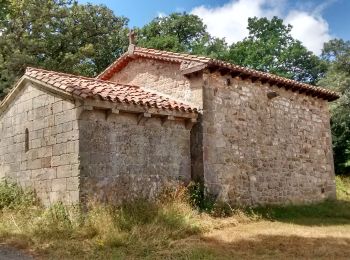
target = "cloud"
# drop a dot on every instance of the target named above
(161, 14)
(312, 31)
(230, 20)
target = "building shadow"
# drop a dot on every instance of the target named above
(321, 214)
(276, 247)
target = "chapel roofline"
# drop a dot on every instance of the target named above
(103, 93)
(193, 64)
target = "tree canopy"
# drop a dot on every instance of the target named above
(176, 32)
(337, 53)
(60, 35)
(84, 39)
(270, 47)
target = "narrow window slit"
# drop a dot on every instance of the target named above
(26, 147)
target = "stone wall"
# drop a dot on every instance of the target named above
(124, 156)
(50, 165)
(163, 77)
(259, 150)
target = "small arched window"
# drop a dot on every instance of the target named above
(26, 140)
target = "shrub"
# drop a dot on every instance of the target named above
(12, 196)
(343, 187)
(200, 198)
(203, 201)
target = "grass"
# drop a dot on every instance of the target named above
(343, 187)
(174, 227)
(139, 229)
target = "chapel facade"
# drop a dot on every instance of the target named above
(154, 119)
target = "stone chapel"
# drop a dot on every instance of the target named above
(156, 118)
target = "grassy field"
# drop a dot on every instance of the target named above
(172, 229)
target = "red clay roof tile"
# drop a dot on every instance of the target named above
(181, 57)
(106, 90)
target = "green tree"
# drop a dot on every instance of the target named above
(181, 32)
(3, 9)
(337, 53)
(270, 47)
(61, 35)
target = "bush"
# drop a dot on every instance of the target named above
(12, 196)
(343, 187)
(200, 198)
(203, 201)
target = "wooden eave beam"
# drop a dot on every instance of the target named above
(212, 68)
(254, 78)
(244, 76)
(235, 74)
(264, 80)
(224, 71)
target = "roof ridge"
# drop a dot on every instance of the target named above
(268, 74)
(174, 53)
(212, 60)
(246, 72)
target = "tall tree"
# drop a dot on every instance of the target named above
(180, 32)
(60, 35)
(270, 47)
(3, 9)
(337, 53)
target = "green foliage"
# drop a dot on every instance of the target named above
(337, 54)
(14, 197)
(176, 32)
(271, 48)
(60, 35)
(203, 201)
(181, 32)
(328, 211)
(343, 187)
(200, 199)
(3, 9)
(325, 213)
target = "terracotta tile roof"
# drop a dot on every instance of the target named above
(86, 88)
(221, 65)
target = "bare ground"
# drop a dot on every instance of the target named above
(10, 253)
(271, 240)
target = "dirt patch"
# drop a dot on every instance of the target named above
(10, 253)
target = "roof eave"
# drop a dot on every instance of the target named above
(234, 70)
(37, 83)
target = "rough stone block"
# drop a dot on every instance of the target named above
(59, 184)
(64, 171)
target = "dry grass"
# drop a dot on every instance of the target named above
(343, 187)
(172, 229)
(270, 240)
